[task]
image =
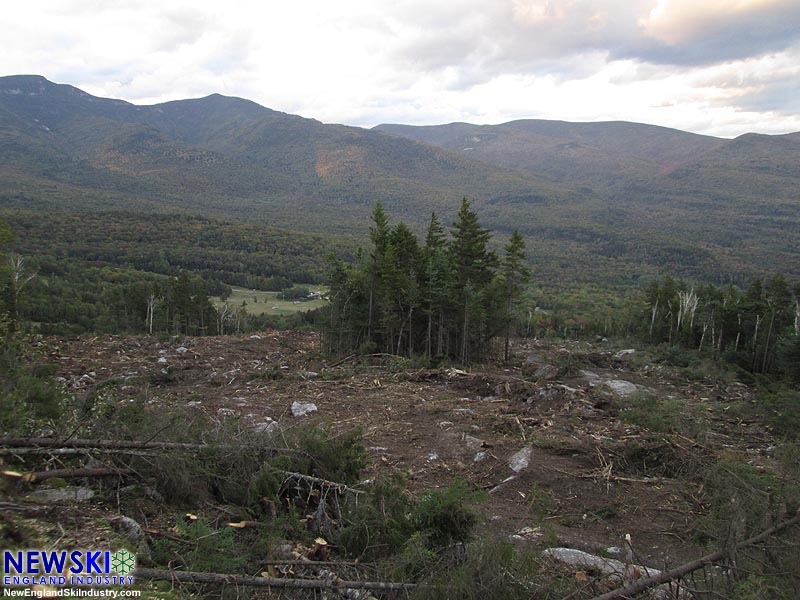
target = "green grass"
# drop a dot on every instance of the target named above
(267, 303)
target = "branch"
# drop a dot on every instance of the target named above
(678, 572)
(322, 482)
(267, 582)
(11, 442)
(37, 476)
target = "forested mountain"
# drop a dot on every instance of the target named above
(604, 203)
(597, 155)
(65, 149)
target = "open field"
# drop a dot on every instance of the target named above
(258, 302)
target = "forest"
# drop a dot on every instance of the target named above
(445, 297)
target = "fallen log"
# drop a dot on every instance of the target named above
(17, 442)
(33, 450)
(38, 476)
(642, 585)
(268, 582)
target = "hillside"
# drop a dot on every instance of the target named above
(600, 444)
(599, 203)
(596, 155)
(65, 149)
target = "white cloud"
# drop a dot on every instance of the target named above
(717, 66)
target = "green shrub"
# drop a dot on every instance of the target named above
(783, 412)
(446, 514)
(378, 524)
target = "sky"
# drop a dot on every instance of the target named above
(717, 67)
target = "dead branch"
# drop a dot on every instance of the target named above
(321, 482)
(678, 572)
(268, 582)
(311, 563)
(72, 451)
(11, 442)
(23, 508)
(38, 476)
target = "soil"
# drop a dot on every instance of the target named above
(592, 478)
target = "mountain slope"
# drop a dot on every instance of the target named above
(598, 155)
(228, 156)
(597, 202)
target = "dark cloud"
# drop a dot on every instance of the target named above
(712, 39)
(485, 40)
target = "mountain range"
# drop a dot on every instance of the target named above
(596, 201)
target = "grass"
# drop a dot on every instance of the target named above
(261, 303)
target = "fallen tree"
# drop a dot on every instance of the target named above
(269, 582)
(637, 587)
(17, 442)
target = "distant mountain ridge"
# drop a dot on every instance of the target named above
(599, 201)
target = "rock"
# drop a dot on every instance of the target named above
(534, 359)
(623, 353)
(162, 360)
(615, 551)
(128, 528)
(445, 424)
(472, 442)
(463, 411)
(182, 350)
(481, 456)
(520, 461)
(546, 372)
(300, 409)
(310, 374)
(269, 425)
(78, 494)
(621, 387)
(226, 412)
(432, 457)
(611, 567)
(138, 490)
(255, 337)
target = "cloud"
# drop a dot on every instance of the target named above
(704, 65)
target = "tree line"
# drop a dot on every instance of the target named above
(447, 297)
(757, 328)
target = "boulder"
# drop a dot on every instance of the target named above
(520, 460)
(127, 528)
(545, 372)
(621, 387)
(300, 409)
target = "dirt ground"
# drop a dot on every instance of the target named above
(591, 477)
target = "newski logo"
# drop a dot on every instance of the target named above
(76, 567)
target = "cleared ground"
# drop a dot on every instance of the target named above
(591, 478)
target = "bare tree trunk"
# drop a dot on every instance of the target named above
(464, 335)
(766, 346)
(440, 334)
(755, 343)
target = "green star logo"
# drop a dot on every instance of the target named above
(123, 562)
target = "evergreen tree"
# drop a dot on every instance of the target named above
(435, 285)
(379, 236)
(515, 274)
(474, 267)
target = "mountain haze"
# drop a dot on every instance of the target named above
(598, 202)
